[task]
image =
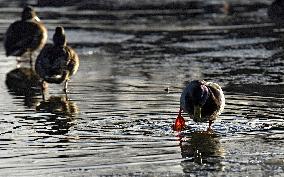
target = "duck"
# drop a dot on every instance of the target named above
(57, 62)
(202, 101)
(276, 11)
(25, 35)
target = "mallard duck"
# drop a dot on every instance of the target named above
(57, 62)
(25, 35)
(203, 101)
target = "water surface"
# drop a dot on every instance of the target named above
(125, 96)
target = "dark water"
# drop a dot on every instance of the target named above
(118, 119)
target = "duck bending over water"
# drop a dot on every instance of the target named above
(25, 35)
(203, 101)
(58, 62)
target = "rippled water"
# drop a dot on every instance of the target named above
(125, 96)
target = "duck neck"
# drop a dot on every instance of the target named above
(26, 17)
(59, 40)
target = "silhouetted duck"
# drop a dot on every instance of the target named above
(58, 62)
(25, 35)
(276, 11)
(203, 101)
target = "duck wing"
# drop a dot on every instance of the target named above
(73, 61)
(216, 99)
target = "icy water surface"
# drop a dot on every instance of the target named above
(125, 96)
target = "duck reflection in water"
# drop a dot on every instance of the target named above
(63, 112)
(201, 147)
(24, 82)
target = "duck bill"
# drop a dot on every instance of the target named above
(197, 113)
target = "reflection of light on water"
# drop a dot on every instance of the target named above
(235, 125)
(87, 51)
(217, 43)
(231, 125)
(245, 53)
(96, 36)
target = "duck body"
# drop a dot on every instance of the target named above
(205, 95)
(56, 64)
(25, 35)
(203, 101)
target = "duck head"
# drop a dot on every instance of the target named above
(29, 14)
(59, 38)
(198, 93)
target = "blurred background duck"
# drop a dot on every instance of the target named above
(276, 11)
(26, 35)
(57, 62)
(203, 101)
